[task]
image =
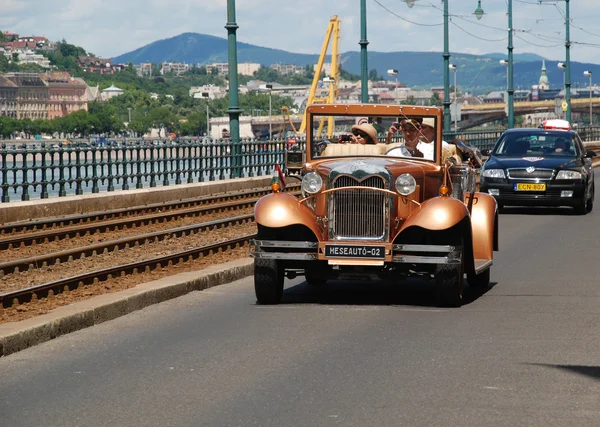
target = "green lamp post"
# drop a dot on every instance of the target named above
(364, 82)
(233, 110)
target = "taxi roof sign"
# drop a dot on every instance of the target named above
(556, 124)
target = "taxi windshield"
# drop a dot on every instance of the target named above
(390, 136)
(537, 145)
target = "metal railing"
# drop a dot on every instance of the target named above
(58, 170)
(49, 170)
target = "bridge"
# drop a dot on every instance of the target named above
(476, 115)
(472, 115)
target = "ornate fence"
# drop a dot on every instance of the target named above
(58, 170)
(47, 170)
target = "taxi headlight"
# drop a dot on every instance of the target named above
(568, 175)
(493, 173)
(405, 184)
(311, 183)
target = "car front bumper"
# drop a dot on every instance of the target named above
(552, 196)
(390, 253)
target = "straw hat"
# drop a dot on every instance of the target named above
(428, 121)
(369, 130)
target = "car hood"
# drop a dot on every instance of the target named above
(370, 165)
(537, 162)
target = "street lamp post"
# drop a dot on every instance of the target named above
(589, 74)
(233, 110)
(364, 88)
(394, 73)
(563, 67)
(454, 68)
(269, 87)
(206, 96)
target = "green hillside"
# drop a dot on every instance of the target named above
(478, 73)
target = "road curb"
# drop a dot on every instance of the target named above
(18, 336)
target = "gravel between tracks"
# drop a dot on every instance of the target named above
(99, 237)
(150, 250)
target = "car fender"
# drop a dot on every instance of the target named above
(437, 213)
(278, 210)
(484, 226)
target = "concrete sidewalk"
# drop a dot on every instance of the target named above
(18, 336)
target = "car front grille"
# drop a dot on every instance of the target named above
(536, 174)
(359, 214)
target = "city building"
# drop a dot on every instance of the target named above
(8, 97)
(30, 57)
(285, 69)
(175, 67)
(543, 83)
(207, 91)
(65, 94)
(220, 67)
(247, 68)
(326, 68)
(110, 92)
(41, 95)
(92, 64)
(144, 69)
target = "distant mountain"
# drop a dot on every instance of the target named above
(520, 57)
(421, 69)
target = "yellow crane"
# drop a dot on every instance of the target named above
(333, 31)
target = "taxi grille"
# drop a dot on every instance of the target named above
(358, 213)
(536, 174)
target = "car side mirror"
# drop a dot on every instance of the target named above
(590, 154)
(486, 152)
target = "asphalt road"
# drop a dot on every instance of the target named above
(524, 353)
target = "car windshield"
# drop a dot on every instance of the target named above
(536, 145)
(391, 136)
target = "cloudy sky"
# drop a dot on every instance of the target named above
(109, 28)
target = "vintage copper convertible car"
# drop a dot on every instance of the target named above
(374, 212)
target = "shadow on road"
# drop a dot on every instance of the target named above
(418, 293)
(587, 371)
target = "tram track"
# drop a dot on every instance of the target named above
(166, 210)
(70, 283)
(25, 264)
(130, 246)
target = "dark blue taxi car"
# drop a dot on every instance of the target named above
(540, 167)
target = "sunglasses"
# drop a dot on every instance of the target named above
(359, 133)
(409, 128)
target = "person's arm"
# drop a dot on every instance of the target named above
(391, 131)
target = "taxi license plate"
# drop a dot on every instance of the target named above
(348, 251)
(529, 187)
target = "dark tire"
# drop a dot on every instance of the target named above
(268, 281)
(590, 205)
(313, 280)
(582, 207)
(449, 285)
(479, 281)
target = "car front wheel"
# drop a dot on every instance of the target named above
(479, 281)
(449, 285)
(268, 281)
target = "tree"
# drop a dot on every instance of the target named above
(435, 99)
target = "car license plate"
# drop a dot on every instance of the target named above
(348, 251)
(529, 187)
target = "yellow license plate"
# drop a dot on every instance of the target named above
(530, 187)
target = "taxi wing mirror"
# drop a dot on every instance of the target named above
(590, 154)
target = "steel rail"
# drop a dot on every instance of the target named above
(22, 296)
(81, 230)
(82, 252)
(70, 220)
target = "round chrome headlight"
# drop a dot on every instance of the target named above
(405, 184)
(311, 183)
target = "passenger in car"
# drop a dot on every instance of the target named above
(364, 134)
(562, 146)
(411, 132)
